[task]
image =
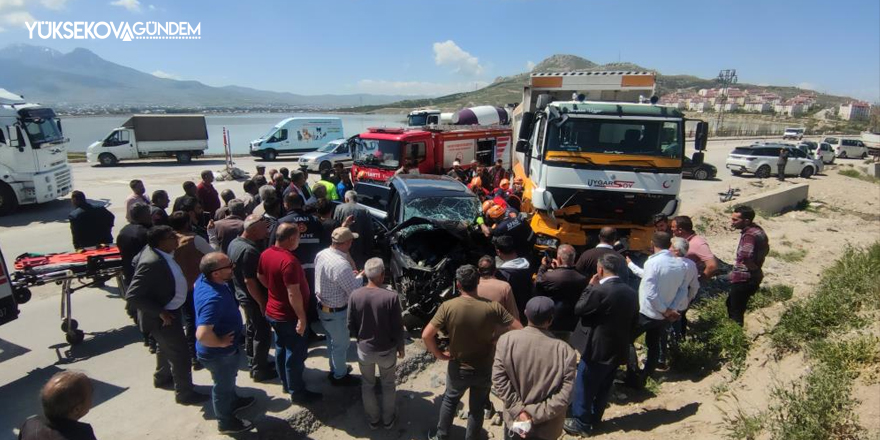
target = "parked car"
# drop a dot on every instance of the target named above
(336, 151)
(701, 171)
(847, 148)
(760, 160)
(426, 229)
(796, 133)
(822, 151)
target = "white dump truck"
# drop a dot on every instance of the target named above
(180, 136)
(594, 150)
(33, 154)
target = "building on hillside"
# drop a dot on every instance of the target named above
(854, 111)
(757, 107)
(789, 109)
(728, 106)
(695, 105)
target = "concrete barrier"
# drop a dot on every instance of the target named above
(873, 169)
(776, 201)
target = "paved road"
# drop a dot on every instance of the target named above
(32, 348)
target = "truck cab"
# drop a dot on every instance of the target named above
(33, 154)
(592, 153)
(421, 118)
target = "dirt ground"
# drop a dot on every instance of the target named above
(844, 211)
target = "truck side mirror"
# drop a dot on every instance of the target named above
(701, 137)
(525, 132)
(698, 158)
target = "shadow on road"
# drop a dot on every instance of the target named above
(648, 420)
(99, 343)
(21, 399)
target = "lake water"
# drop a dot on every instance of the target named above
(82, 131)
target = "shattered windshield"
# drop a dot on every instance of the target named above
(458, 209)
(42, 130)
(379, 153)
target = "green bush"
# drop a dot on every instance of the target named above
(851, 355)
(818, 407)
(851, 285)
(789, 257)
(769, 295)
(714, 340)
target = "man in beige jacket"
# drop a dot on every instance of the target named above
(534, 375)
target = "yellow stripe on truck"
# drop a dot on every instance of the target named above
(613, 159)
(637, 81)
(547, 81)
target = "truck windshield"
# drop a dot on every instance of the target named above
(42, 130)
(458, 209)
(606, 136)
(379, 153)
(418, 120)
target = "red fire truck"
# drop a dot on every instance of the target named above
(380, 152)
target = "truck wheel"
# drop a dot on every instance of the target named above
(325, 166)
(184, 157)
(763, 172)
(701, 174)
(807, 172)
(270, 155)
(107, 159)
(8, 200)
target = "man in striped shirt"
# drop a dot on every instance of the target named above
(335, 279)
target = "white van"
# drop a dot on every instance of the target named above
(796, 133)
(295, 136)
(852, 148)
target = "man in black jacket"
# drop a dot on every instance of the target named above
(158, 290)
(608, 311)
(559, 281)
(516, 271)
(133, 237)
(89, 225)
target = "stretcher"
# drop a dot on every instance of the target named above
(88, 267)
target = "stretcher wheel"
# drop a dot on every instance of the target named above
(22, 295)
(73, 325)
(76, 337)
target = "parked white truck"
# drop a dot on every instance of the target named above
(33, 154)
(180, 136)
(592, 153)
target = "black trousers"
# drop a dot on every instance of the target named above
(652, 328)
(189, 322)
(478, 383)
(257, 336)
(738, 299)
(172, 356)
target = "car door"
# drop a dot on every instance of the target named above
(343, 155)
(797, 160)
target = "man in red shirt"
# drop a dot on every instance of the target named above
(207, 195)
(286, 306)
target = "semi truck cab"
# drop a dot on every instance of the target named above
(33, 154)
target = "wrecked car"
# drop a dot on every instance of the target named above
(427, 230)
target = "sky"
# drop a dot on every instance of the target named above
(434, 48)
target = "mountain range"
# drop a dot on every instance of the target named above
(508, 89)
(82, 78)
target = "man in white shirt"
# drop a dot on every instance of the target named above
(335, 279)
(662, 277)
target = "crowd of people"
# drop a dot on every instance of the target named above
(546, 338)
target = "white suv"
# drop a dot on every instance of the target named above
(793, 133)
(760, 160)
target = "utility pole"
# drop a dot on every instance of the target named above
(725, 79)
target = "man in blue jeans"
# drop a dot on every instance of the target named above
(283, 276)
(335, 280)
(218, 331)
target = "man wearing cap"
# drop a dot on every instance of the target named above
(286, 306)
(534, 375)
(244, 252)
(471, 323)
(358, 219)
(608, 312)
(335, 280)
(458, 173)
